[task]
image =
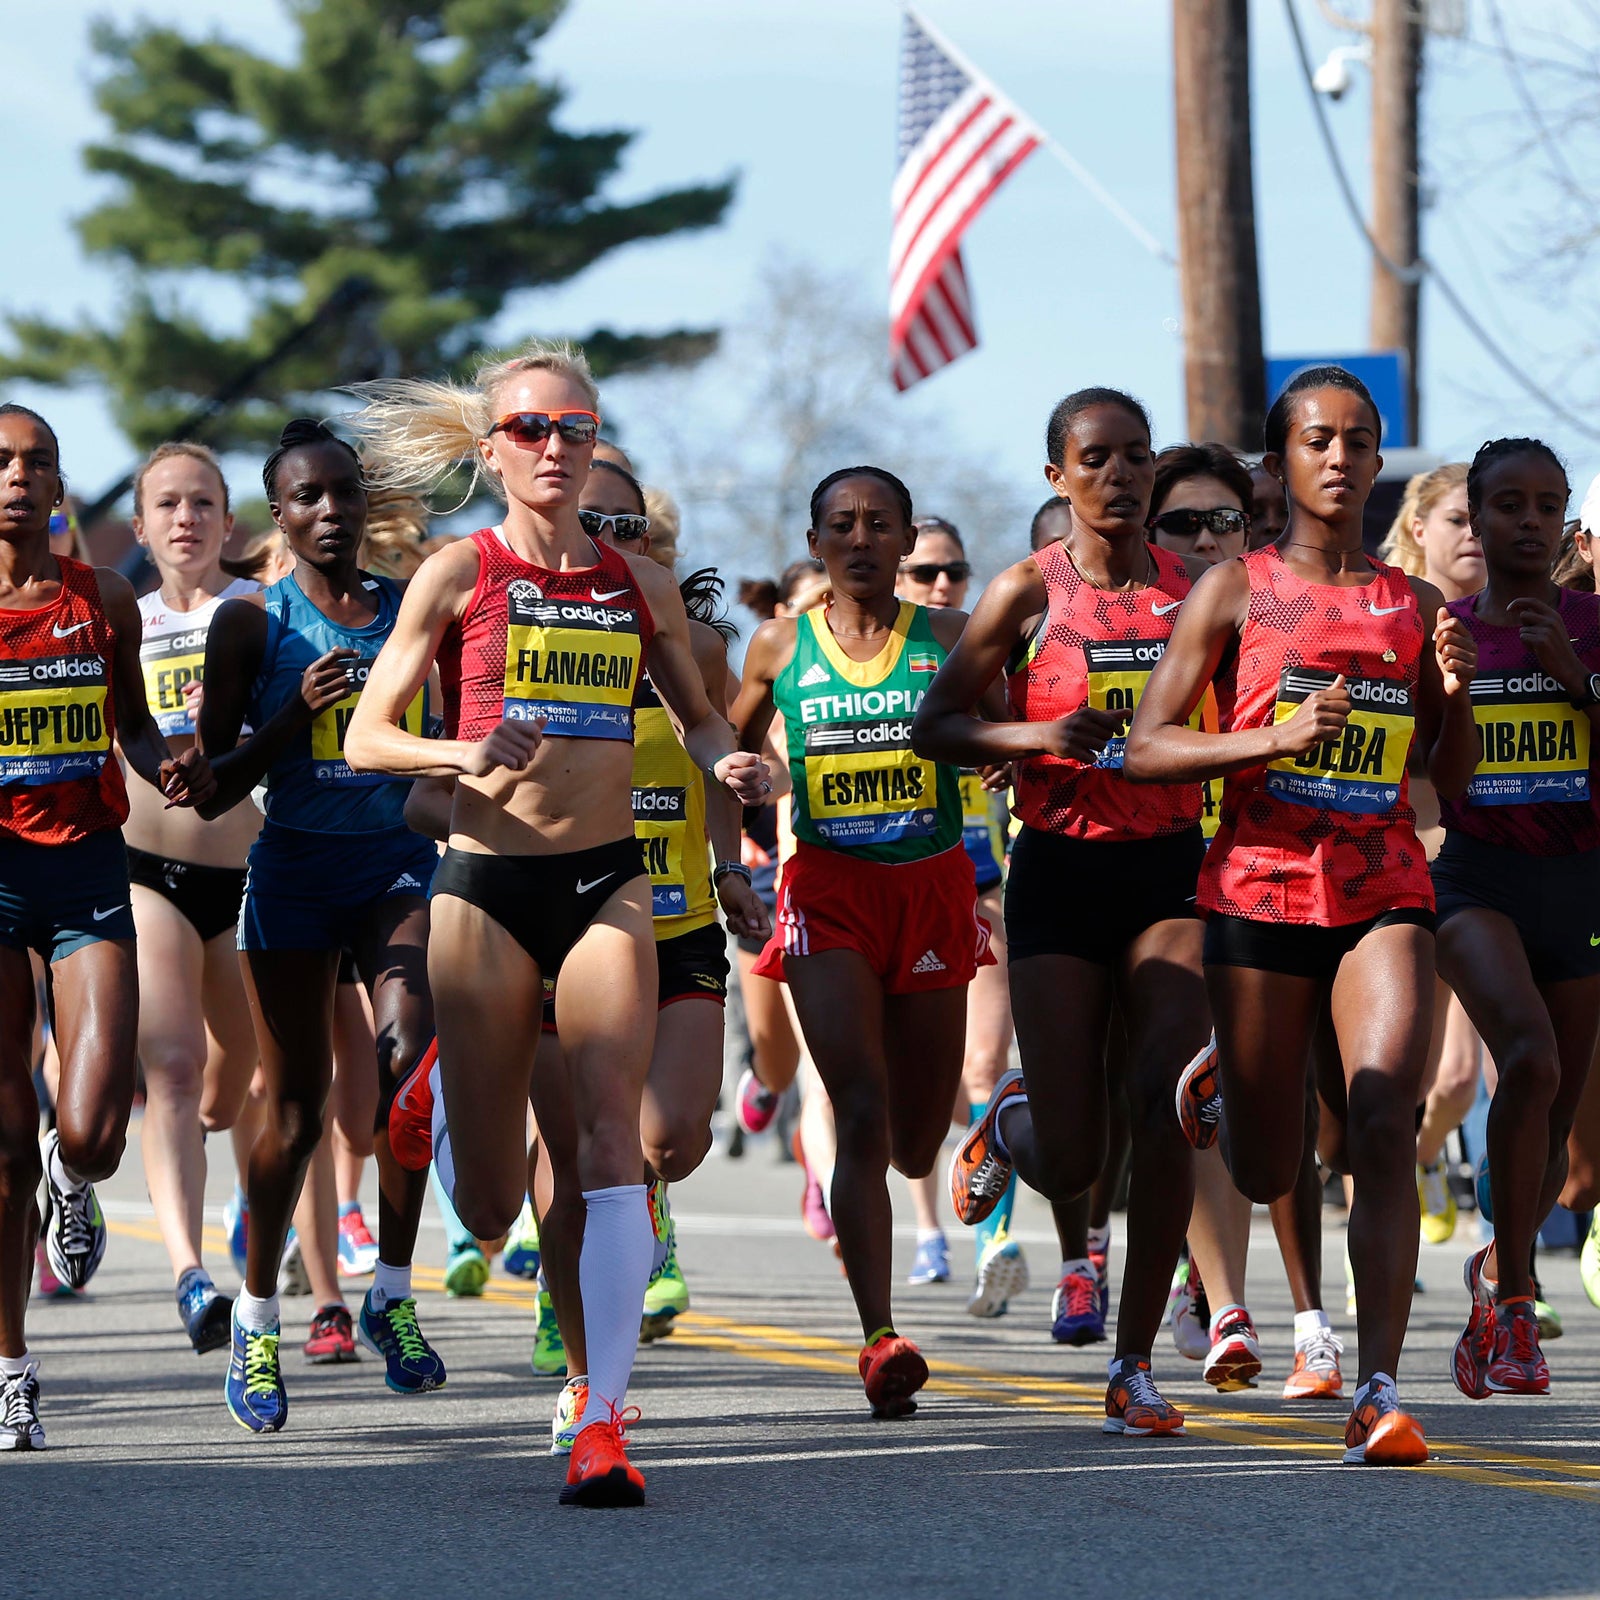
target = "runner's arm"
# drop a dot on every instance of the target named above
(429, 806)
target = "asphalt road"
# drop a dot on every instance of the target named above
(766, 1475)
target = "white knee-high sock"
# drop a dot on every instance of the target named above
(444, 1158)
(613, 1273)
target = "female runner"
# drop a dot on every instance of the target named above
(335, 866)
(878, 933)
(1517, 881)
(1076, 629)
(542, 637)
(1315, 886)
(69, 686)
(195, 1039)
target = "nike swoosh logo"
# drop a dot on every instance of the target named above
(100, 916)
(584, 888)
(614, 594)
(1594, 939)
(1386, 611)
(62, 633)
(1161, 611)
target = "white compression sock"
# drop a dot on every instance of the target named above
(61, 1174)
(613, 1273)
(256, 1316)
(1307, 1323)
(1100, 1239)
(389, 1284)
(15, 1366)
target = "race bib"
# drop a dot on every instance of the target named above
(660, 820)
(1534, 745)
(1362, 770)
(1118, 671)
(53, 719)
(980, 833)
(329, 727)
(170, 666)
(865, 785)
(571, 662)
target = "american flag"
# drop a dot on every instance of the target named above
(960, 139)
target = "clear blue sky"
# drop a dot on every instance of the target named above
(799, 99)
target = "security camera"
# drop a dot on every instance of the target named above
(1333, 78)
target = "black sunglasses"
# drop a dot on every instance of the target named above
(928, 571)
(1191, 524)
(625, 527)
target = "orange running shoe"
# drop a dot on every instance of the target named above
(1316, 1374)
(1199, 1098)
(1134, 1405)
(1380, 1434)
(1517, 1364)
(599, 1473)
(892, 1369)
(1469, 1366)
(411, 1114)
(979, 1174)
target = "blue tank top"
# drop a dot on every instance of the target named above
(311, 785)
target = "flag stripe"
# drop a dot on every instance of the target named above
(948, 168)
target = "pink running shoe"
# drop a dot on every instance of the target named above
(756, 1105)
(50, 1286)
(813, 1208)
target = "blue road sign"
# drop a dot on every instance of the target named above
(1383, 372)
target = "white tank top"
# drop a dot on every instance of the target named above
(173, 653)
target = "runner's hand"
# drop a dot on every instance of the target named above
(186, 779)
(742, 906)
(996, 779)
(327, 681)
(1319, 719)
(508, 744)
(1542, 630)
(746, 775)
(194, 694)
(1084, 735)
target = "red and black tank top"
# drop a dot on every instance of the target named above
(1096, 647)
(1327, 838)
(59, 781)
(565, 646)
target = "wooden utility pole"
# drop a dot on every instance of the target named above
(1224, 374)
(1396, 34)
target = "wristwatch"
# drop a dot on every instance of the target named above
(723, 868)
(1589, 695)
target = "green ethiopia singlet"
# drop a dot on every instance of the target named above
(858, 785)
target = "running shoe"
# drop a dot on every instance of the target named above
(521, 1256)
(50, 1286)
(1189, 1313)
(1437, 1203)
(1199, 1098)
(549, 1353)
(660, 1224)
(1002, 1276)
(75, 1229)
(1134, 1405)
(666, 1296)
(1469, 1366)
(332, 1338)
(358, 1250)
(1516, 1364)
(466, 1272)
(1589, 1260)
(254, 1385)
(755, 1104)
(293, 1279)
(979, 1174)
(1234, 1358)
(933, 1261)
(813, 1203)
(1316, 1374)
(892, 1370)
(207, 1315)
(1075, 1314)
(1380, 1434)
(599, 1472)
(412, 1365)
(569, 1407)
(236, 1224)
(1549, 1318)
(411, 1114)
(20, 1428)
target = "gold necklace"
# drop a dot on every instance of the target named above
(1116, 588)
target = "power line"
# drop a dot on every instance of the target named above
(1421, 268)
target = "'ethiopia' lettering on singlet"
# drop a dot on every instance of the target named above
(1534, 743)
(1359, 771)
(574, 664)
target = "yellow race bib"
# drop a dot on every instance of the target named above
(1363, 769)
(573, 663)
(1535, 745)
(329, 727)
(53, 719)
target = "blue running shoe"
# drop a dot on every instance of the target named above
(522, 1244)
(1075, 1310)
(1481, 1183)
(254, 1387)
(236, 1224)
(933, 1261)
(412, 1365)
(207, 1315)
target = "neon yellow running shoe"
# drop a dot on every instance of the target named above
(1589, 1260)
(1436, 1202)
(665, 1296)
(569, 1407)
(1549, 1319)
(549, 1353)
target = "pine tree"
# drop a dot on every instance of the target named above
(408, 152)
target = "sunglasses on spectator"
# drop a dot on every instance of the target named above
(928, 571)
(534, 427)
(1191, 524)
(624, 527)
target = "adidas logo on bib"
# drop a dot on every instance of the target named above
(928, 962)
(813, 675)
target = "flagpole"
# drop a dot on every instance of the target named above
(1088, 180)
